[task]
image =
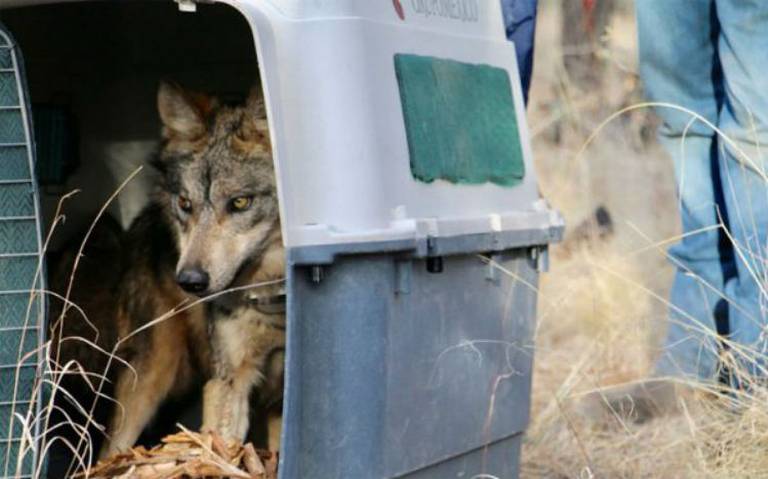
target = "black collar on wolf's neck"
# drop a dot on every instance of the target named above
(256, 298)
(268, 304)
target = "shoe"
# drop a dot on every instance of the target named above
(637, 402)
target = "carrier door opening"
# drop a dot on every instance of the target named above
(166, 109)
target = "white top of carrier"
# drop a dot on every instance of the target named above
(339, 135)
(466, 17)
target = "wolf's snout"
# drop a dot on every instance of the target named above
(193, 280)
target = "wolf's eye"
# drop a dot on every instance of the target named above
(241, 203)
(184, 204)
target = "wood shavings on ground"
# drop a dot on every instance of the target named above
(189, 455)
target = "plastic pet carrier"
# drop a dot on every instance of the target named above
(413, 227)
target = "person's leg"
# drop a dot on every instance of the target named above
(679, 65)
(743, 44)
(520, 26)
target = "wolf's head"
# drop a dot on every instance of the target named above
(218, 185)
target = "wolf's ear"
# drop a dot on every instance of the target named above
(254, 130)
(255, 103)
(183, 113)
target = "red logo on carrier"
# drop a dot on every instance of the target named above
(399, 9)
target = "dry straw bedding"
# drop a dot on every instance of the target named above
(189, 455)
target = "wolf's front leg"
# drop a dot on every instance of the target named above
(138, 399)
(226, 407)
(217, 398)
(274, 430)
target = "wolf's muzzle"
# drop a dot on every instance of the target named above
(193, 280)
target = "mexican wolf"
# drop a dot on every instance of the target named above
(212, 226)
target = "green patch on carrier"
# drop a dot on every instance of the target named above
(460, 121)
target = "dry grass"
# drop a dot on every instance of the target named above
(189, 454)
(602, 307)
(34, 426)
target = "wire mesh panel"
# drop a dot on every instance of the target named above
(21, 308)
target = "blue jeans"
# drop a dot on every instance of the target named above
(709, 56)
(520, 25)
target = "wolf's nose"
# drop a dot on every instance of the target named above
(193, 280)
